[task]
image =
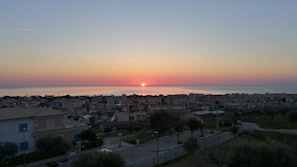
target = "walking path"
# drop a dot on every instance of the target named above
(164, 148)
(149, 153)
(249, 126)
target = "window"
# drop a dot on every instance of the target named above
(50, 123)
(23, 127)
(23, 146)
(76, 137)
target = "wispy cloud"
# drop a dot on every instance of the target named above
(23, 29)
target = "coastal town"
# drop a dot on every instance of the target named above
(25, 119)
(151, 83)
(68, 115)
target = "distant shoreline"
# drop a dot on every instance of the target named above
(111, 85)
(138, 90)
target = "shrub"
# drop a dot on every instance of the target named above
(131, 140)
(105, 130)
(8, 149)
(33, 156)
(191, 145)
(259, 154)
(51, 143)
(99, 159)
(234, 129)
(293, 116)
(88, 135)
(92, 144)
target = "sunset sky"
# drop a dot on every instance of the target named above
(157, 42)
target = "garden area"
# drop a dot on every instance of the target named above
(272, 119)
(256, 149)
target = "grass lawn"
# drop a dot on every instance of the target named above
(276, 122)
(113, 134)
(200, 158)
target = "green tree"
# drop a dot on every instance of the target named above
(99, 159)
(194, 124)
(162, 121)
(191, 145)
(86, 160)
(259, 154)
(293, 115)
(8, 149)
(88, 135)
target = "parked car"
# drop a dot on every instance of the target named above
(238, 122)
(52, 164)
(104, 150)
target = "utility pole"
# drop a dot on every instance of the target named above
(217, 114)
(157, 133)
(217, 117)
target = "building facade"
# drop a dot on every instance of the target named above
(23, 126)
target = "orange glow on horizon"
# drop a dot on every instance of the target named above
(142, 79)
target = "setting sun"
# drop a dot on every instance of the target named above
(143, 84)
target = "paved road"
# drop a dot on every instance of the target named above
(146, 154)
(149, 153)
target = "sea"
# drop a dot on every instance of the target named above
(138, 90)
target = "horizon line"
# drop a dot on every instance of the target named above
(147, 85)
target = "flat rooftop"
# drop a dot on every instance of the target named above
(207, 112)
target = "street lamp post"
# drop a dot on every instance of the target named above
(157, 133)
(24, 145)
(7, 158)
(148, 122)
(148, 128)
(120, 139)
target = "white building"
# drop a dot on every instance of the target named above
(207, 113)
(17, 128)
(23, 126)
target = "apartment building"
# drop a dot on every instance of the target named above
(23, 126)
